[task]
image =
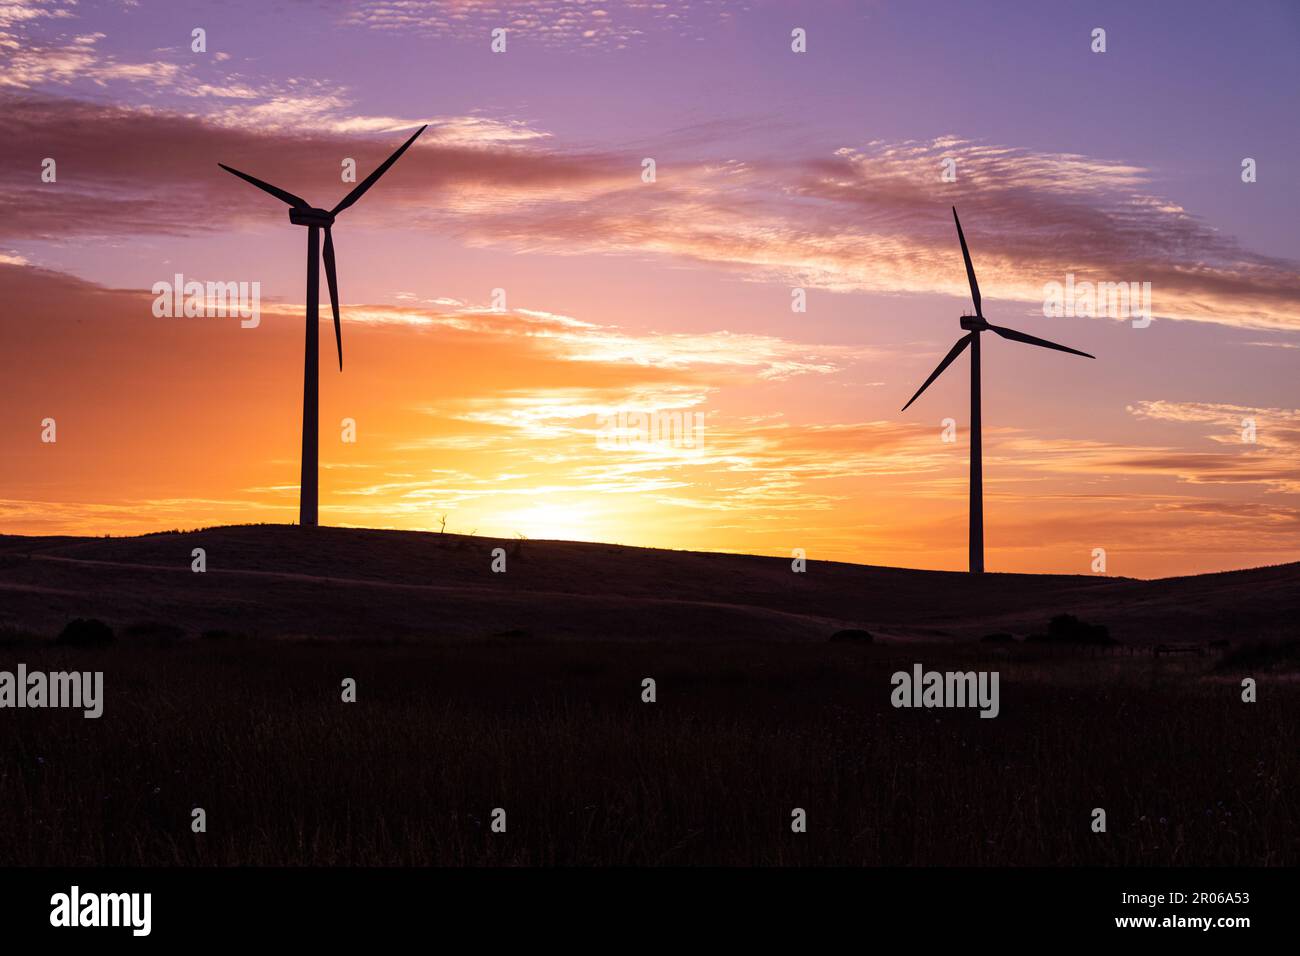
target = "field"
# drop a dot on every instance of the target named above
(522, 690)
(255, 733)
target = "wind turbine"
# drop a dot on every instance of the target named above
(301, 213)
(974, 325)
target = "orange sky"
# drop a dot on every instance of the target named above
(490, 419)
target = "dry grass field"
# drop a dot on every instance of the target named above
(546, 720)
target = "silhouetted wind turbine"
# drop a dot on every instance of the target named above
(975, 324)
(303, 214)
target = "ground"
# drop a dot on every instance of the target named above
(756, 712)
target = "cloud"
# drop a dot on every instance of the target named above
(587, 24)
(1275, 344)
(28, 66)
(220, 95)
(152, 172)
(876, 219)
(20, 13)
(1267, 456)
(746, 354)
(869, 219)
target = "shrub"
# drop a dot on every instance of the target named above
(1068, 629)
(85, 632)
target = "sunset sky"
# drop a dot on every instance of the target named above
(775, 170)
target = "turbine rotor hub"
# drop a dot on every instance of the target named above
(311, 217)
(973, 323)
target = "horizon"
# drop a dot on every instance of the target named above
(644, 547)
(666, 298)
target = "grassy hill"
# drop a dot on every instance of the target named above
(276, 580)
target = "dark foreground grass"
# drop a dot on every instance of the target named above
(255, 733)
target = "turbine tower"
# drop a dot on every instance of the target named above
(974, 325)
(301, 213)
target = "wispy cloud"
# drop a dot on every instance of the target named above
(876, 219)
(862, 219)
(1236, 445)
(584, 24)
(766, 356)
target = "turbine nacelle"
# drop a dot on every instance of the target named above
(973, 323)
(311, 217)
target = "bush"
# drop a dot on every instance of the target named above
(85, 632)
(1068, 629)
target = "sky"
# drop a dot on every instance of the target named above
(517, 280)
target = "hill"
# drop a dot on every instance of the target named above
(278, 580)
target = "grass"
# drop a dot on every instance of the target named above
(255, 733)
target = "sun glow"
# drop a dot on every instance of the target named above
(558, 520)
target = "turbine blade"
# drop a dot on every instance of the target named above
(332, 279)
(947, 360)
(1034, 340)
(281, 194)
(970, 269)
(359, 190)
